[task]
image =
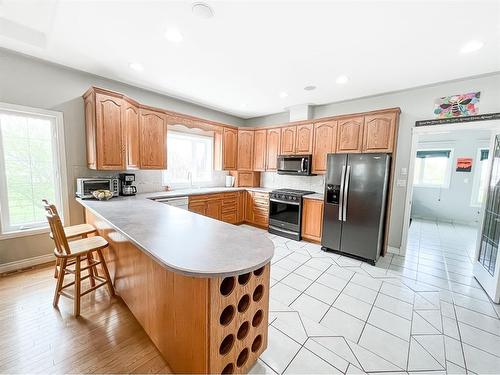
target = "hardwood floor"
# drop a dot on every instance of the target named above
(37, 338)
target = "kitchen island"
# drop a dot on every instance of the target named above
(199, 287)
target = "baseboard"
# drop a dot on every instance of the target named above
(447, 221)
(26, 263)
(393, 250)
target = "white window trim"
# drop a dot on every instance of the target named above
(447, 178)
(187, 184)
(477, 176)
(61, 167)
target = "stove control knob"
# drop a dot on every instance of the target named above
(294, 198)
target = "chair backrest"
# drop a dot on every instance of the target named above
(59, 236)
(50, 208)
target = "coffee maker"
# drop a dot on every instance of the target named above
(126, 187)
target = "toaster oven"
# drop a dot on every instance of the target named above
(85, 186)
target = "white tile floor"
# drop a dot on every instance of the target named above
(420, 313)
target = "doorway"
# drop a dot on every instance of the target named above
(446, 195)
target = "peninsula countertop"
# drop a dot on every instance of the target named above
(183, 241)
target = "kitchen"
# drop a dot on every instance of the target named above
(269, 242)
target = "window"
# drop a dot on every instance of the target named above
(30, 166)
(190, 159)
(480, 176)
(433, 168)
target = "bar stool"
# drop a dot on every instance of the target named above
(72, 254)
(72, 232)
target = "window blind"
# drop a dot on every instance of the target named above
(433, 154)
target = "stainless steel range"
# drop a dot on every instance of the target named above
(285, 212)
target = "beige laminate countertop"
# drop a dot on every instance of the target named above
(183, 241)
(199, 191)
(315, 196)
(213, 190)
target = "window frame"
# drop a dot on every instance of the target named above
(186, 184)
(447, 178)
(59, 154)
(476, 179)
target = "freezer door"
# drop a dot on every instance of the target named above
(332, 213)
(364, 204)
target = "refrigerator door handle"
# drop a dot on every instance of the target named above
(341, 198)
(346, 194)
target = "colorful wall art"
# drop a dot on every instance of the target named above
(457, 105)
(464, 164)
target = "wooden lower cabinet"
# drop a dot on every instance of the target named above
(234, 207)
(257, 208)
(226, 207)
(312, 219)
(189, 318)
(214, 209)
(198, 207)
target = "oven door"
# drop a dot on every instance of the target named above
(284, 214)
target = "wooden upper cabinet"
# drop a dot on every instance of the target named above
(350, 135)
(259, 150)
(379, 132)
(110, 140)
(245, 150)
(132, 135)
(304, 139)
(288, 137)
(153, 139)
(273, 144)
(229, 149)
(325, 141)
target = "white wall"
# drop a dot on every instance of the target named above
(416, 104)
(453, 203)
(35, 83)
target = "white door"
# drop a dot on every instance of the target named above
(486, 263)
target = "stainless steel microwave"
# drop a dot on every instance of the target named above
(294, 164)
(85, 186)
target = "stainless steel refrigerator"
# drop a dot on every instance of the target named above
(355, 204)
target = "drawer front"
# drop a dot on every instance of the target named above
(261, 196)
(260, 219)
(233, 195)
(229, 208)
(205, 197)
(231, 217)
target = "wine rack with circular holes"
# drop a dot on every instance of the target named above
(239, 309)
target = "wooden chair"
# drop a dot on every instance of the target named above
(72, 232)
(72, 254)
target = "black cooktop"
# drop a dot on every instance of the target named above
(298, 193)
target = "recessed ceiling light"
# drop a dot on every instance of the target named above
(283, 94)
(136, 66)
(472, 46)
(173, 35)
(342, 79)
(202, 10)
(310, 88)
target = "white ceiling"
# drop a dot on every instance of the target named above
(240, 60)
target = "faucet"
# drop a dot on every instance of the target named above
(190, 178)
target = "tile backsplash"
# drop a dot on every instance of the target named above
(276, 181)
